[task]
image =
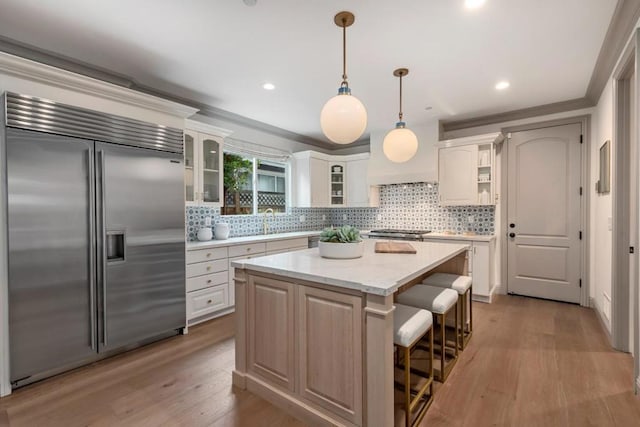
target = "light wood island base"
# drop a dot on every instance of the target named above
(323, 353)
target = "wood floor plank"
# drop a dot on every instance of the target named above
(530, 363)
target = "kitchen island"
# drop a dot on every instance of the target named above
(315, 336)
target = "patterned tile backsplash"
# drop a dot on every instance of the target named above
(409, 206)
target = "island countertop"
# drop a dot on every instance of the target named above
(374, 273)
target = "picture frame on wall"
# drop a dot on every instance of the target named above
(603, 186)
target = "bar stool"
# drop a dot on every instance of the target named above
(464, 286)
(439, 302)
(410, 325)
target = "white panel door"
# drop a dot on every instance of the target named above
(457, 175)
(544, 217)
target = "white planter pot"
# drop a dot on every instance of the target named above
(341, 250)
(205, 234)
(222, 231)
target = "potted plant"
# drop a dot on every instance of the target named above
(341, 243)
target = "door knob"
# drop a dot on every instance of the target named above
(512, 235)
(512, 225)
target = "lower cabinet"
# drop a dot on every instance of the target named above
(480, 263)
(307, 341)
(210, 276)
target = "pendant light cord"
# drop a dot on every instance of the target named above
(400, 115)
(344, 53)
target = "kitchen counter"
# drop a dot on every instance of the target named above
(314, 336)
(374, 273)
(191, 246)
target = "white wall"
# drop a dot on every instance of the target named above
(601, 211)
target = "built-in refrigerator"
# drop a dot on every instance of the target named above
(96, 238)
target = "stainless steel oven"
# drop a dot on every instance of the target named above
(394, 234)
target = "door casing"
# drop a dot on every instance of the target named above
(585, 121)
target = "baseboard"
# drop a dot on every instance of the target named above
(500, 290)
(297, 408)
(603, 321)
(481, 298)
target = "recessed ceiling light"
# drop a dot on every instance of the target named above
(269, 86)
(250, 2)
(428, 108)
(473, 4)
(502, 85)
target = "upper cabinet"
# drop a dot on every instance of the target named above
(203, 145)
(466, 170)
(338, 181)
(323, 181)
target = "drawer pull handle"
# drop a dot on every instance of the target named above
(209, 281)
(208, 268)
(209, 301)
(248, 249)
(208, 254)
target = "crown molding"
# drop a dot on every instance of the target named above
(524, 113)
(206, 128)
(36, 72)
(623, 22)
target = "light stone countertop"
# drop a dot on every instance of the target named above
(379, 274)
(191, 246)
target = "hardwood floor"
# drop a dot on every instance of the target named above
(529, 363)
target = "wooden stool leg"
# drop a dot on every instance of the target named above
(443, 343)
(407, 386)
(456, 329)
(462, 302)
(431, 359)
(471, 309)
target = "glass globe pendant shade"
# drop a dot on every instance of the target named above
(343, 118)
(400, 144)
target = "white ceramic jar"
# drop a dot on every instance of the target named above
(205, 234)
(222, 231)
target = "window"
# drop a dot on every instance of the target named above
(253, 185)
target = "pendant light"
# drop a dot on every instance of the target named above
(400, 144)
(343, 118)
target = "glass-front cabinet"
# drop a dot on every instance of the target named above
(203, 168)
(337, 183)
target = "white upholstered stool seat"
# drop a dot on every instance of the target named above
(460, 284)
(440, 302)
(464, 286)
(435, 299)
(410, 325)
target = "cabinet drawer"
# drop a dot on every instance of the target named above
(248, 249)
(207, 300)
(202, 255)
(206, 281)
(202, 268)
(281, 245)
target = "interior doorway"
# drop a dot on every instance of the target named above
(624, 191)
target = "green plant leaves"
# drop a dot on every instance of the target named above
(344, 234)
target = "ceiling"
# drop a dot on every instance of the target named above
(221, 52)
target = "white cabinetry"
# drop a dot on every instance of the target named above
(203, 145)
(310, 180)
(480, 263)
(337, 183)
(211, 278)
(359, 193)
(320, 181)
(466, 170)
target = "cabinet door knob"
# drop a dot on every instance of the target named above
(209, 302)
(512, 235)
(512, 225)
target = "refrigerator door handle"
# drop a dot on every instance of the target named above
(103, 245)
(92, 251)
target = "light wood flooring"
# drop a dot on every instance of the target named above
(529, 363)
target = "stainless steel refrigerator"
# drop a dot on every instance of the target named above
(95, 235)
